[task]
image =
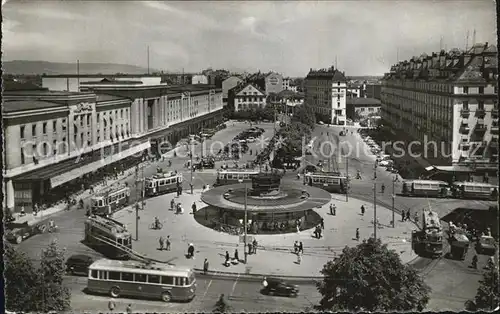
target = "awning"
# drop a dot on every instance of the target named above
(78, 172)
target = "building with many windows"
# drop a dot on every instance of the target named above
(247, 96)
(361, 108)
(53, 138)
(326, 93)
(450, 98)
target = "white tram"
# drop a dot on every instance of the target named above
(162, 183)
(330, 181)
(106, 203)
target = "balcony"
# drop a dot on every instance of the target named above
(494, 129)
(464, 129)
(494, 113)
(480, 113)
(464, 146)
(480, 128)
(464, 113)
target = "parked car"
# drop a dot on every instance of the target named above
(486, 245)
(279, 287)
(78, 264)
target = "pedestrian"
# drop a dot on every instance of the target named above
(299, 258)
(322, 223)
(205, 266)
(172, 204)
(111, 305)
(474, 261)
(301, 248)
(334, 210)
(357, 234)
(250, 248)
(168, 243)
(407, 215)
(362, 210)
(129, 308)
(227, 259)
(254, 246)
(403, 217)
(191, 250)
(296, 247)
(236, 255)
(162, 241)
(194, 207)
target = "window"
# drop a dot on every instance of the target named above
(93, 273)
(23, 160)
(153, 279)
(23, 130)
(466, 90)
(82, 117)
(465, 105)
(75, 129)
(338, 83)
(481, 90)
(44, 128)
(167, 280)
(114, 275)
(480, 105)
(54, 126)
(33, 130)
(127, 277)
(140, 277)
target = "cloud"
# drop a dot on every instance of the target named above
(190, 16)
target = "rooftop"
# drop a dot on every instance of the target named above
(104, 98)
(330, 73)
(360, 102)
(23, 105)
(9, 85)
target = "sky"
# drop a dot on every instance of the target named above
(362, 37)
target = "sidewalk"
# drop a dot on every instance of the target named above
(274, 254)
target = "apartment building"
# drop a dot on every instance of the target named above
(54, 137)
(450, 98)
(326, 93)
(248, 96)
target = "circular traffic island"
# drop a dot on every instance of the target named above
(271, 207)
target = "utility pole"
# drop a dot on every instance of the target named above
(393, 199)
(191, 166)
(246, 223)
(347, 179)
(375, 211)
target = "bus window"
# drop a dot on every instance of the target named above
(153, 279)
(140, 278)
(93, 274)
(127, 277)
(114, 275)
(103, 274)
(101, 203)
(179, 281)
(167, 280)
(119, 240)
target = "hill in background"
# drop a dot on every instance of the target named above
(18, 67)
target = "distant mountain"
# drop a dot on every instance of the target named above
(40, 67)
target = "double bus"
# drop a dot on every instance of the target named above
(106, 203)
(108, 236)
(162, 183)
(142, 279)
(233, 176)
(332, 182)
(430, 188)
(475, 190)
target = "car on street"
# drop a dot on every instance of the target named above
(279, 287)
(78, 264)
(486, 245)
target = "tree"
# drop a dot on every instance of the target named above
(221, 306)
(487, 296)
(29, 289)
(370, 277)
(304, 115)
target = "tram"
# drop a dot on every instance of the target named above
(233, 176)
(430, 188)
(428, 241)
(106, 203)
(162, 183)
(109, 236)
(474, 190)
(330, 181)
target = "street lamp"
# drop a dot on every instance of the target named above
(375, 211)
(245, 222)
(393, 199)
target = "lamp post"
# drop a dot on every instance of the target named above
(375, 211)
(245, 222)
(347, 177)
(191, 165)
(393, 199)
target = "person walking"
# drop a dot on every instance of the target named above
(226, 263)
(296, 247)
(172, 204)
(403, 217)
(254, 246)
(236, 255)
(194, 207)
(162, 242)
(362, 210)
(357, 234)
(301, 248)
(111, 305)
(168, 243)
(408, 215)
(205, 266)
(322, 223)
(474, 261)
(129, 308)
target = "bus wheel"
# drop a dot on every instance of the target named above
(115, 292)
(166, 296)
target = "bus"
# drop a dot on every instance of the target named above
(332, 182)
(142, 279)
(429, 188)
(108, 236)
(106, 203)
(162, 183)
(475, 190)
(233, 176)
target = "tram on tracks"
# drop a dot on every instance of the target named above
(428, 241)
(474, 190)
(108, 236)
(332, 182)
(429, 188)
(233, 176)
(162, 183)
(106, 203)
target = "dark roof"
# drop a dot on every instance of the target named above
(22, 105)
(21, 86)
(238, 88)
(361, 102)
(102, 75)
(111, 82)
(290, 94)
(330, 74)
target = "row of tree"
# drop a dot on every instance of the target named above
(257, 114)
(35, 289)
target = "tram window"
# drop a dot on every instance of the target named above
(119, 240)
(101, 203)
(179, 281)
(114, 275)
(245, 176)
(153, 279)
(160, 182)
(167, 280)
(103, 274)
(127, 277)
(93, 273)
(140, 278)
